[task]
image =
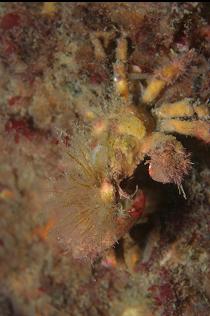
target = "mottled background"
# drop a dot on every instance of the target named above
(50, 77)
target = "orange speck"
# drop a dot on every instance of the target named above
(43, 231)
(110, 260)
(6, 194)
(205, 32)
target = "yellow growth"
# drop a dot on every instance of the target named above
(89, 115)
(153, 90)
(122, 87)
(199, 129)
(131, 125)
(120, 71)
(202, 111)
(177, 109)
(122, 49)
(49, 8)
(107, 192)
(169, 72)
(182, 127)
(132, 257)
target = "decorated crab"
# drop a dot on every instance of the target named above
(93, 211)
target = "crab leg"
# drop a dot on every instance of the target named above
(197, 128)
(181, 108)
(185, 118)
(98, 47)
(120, 70)
(100, 41)
(166, 76)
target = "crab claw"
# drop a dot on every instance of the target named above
(132, 212)
(169, 162)
(138, 205)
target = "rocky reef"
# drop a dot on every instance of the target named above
(104, 165)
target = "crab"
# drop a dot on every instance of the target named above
(93, 211)
(151, 126)
(132, 132)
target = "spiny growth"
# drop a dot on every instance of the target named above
(87, 202)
